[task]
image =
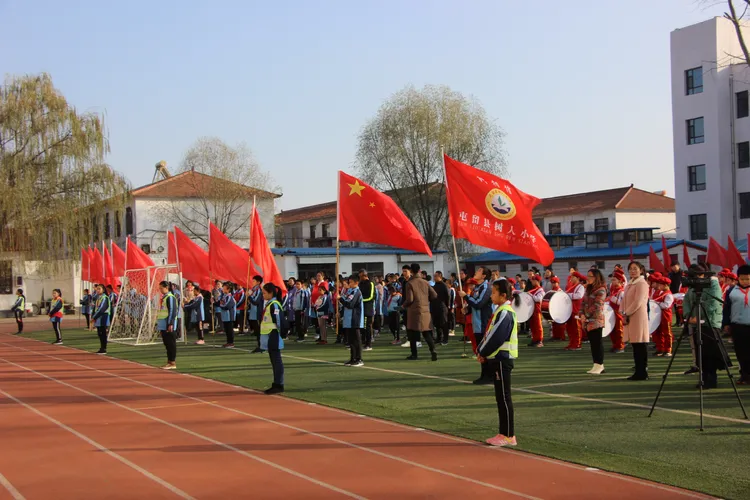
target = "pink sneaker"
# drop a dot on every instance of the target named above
(200, 342)
(501, 440)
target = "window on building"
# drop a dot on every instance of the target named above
(699, 227)
(539, 223)
(647, 235)
(373, 268)
(744, 205)
(695, 131)
(106, 226)
(128, 221)
(118, 227)
(601, 224)
(694, 81)
(743, 154)
(697, 178)
(597, 240)
(524, 267)
(742, 104)
(554, 228)
(576, 227)
(600, 264)
(146, 248)
(502, 268)
(325, 230)
(312, 231)
(6, 277)
(567, 241)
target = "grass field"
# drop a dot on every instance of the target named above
(561, 411)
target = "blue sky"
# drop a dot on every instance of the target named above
(581, 87)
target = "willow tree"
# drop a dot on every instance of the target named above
(400, 151)
(52, 170)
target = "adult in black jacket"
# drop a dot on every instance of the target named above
(439, 308)
(367, 288)
(675, 275)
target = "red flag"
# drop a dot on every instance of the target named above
(260, 251)
(685, 255)
(226, 260)
(97, 267)
(489, 211)
(118, 261)
(734, 257)
(171, 249)
(136, 258)
(716, 254)
(365, 214)
(85, 265)
(109, 272)
(665, 254)
(654, 262)
(193, 260)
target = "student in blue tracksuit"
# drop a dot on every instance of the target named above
(354, 320)
(393, 306)
(86, 307)
(56, 314)
(113, 296)
(196, 313)
(498, 351)
(19, 308)
(94, 296)
(299, 306)
(255, 310)
(270, 334)
(102, 317)
(228, 308)
(166, 323)
(736, 320)
(480, 305)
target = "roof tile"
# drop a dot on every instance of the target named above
(189, 185)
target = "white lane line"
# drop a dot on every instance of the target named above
(269, 421)
(170, 424)
(11, 489)
(96, 445)
(447, 437)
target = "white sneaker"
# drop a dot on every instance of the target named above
(367, 349)
(597, 369)
(419, 344)
(406, 344)
(451, 333)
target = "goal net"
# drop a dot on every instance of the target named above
(134, 320)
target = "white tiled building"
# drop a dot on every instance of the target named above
(711, 132)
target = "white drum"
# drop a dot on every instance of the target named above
(609, 320)
(525, 308)
(654, 316)
(557, 307)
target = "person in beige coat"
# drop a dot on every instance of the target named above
(417, 296)
(634, 309)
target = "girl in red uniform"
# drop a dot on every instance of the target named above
(558, 329)
(573, 326)
(615, 297)
(662, 337)
(535, 322)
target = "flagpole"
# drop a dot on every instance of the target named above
(249, 249)
(338, 255)
(455, 251)
(211, 292)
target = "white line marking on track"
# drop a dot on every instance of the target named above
(174, 426)
(11, 489)
(96, 445)
(448, 437)
(171, 406)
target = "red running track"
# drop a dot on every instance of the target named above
(78, 425)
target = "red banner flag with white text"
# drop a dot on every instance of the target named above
(491, 212)
(226, 260)
(261, 253)
(193, 260)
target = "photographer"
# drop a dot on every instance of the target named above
(711, 316)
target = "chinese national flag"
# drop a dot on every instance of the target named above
(490, 212)
(97, 267)
(734, 257)
(716, 254)
(136, 258)
(260, 251)
(654, 262)
(226, 260)
(193, 260)
(367, 215)
(171, 249)
(665, 254)
(85, 265)
(685, 255)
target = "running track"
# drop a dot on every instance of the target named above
(78, 425)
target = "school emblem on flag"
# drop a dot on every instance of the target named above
(500, 205)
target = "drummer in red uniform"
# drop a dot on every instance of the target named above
(662, 337)
(558, 329)
(653, 280)
(573, 326)
(615, 298)
(537, 293)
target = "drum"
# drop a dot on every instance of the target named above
(679, 296)
(609, 320)
(654, 316)
(525, 308)
(557, 306)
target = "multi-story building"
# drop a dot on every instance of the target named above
(711, 131)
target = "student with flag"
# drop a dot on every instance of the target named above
(480, 304)
(102, 317)
(255, 312)
(166, 323)
(354, 320)
(270, 335)
(19, 309)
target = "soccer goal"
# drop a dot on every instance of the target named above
(135, 317)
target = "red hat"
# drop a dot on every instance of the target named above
(511, 281)
(655, 277)
(580, 276)
(554, 279)
(732, 276)
(537, 277)
(665, 281)
(725, 271)
(619, 275)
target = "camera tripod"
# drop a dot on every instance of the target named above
(700, 312)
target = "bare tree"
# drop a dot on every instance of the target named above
(737, 13)
(52, 171)
(399, 151)
(224, 181)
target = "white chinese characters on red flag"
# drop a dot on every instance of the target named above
(489, 211)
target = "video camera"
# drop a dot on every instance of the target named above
(697, 283)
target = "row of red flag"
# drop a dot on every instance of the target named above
(716, 255)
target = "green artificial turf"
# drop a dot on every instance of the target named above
(668, 447)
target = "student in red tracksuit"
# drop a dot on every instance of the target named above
(558, 329)
(573, 326)
(615, 298)
(535, 322)
(663, 335)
